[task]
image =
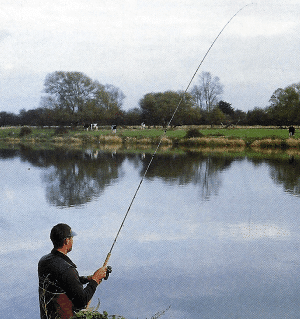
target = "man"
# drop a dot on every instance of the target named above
(61, 290)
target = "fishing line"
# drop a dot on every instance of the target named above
(164, 133)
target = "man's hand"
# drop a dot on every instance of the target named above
(99, 274)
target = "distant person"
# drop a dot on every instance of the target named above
(61, 290)
(291, 131)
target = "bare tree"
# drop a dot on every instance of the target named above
(208, 91)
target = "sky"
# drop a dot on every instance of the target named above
(144, 46)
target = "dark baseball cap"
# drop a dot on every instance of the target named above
(61, 231)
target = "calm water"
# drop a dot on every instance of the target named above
(211, 237)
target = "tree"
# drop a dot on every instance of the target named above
(284, 106)
(8, 118)
(226, 108)
(133, 116)
(109, 100)
(35, 117)
(239, 117)
(257, 116)
(73, 97)
(215, 116)
(158, 108)
(207, 92)
(70, 91)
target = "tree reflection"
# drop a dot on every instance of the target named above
(193, 168)
(286, 173)
(75, 177)
(8, 153)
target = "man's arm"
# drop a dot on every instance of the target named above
(85, 279)
(74, 289)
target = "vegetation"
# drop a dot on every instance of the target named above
(157, 108)
(207, 92)
(94, 314)
(195, 136)
(193, 132)
(85, 314)
(73, 99)
(25, 130)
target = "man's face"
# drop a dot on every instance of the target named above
(69, 244)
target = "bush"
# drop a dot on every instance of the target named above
(193, 132)
(85, 314)
(25, 130)
(61, 130)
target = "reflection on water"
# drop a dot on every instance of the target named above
(210, 236)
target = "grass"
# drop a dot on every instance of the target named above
(256, 137)
(94, 314)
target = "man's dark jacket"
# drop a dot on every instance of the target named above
(61, 291)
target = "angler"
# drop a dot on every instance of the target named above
(60, 286)
(61, 289)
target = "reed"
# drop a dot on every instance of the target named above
(212, 142)
(270, 143)
(109, 139)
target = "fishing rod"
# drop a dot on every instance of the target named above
(163, 135)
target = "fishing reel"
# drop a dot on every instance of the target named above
(108, 271)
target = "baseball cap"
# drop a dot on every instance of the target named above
(60, 232)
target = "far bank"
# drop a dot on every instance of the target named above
(254, 137)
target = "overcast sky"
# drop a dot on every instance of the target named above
(149, 46)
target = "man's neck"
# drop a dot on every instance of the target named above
(63, 250)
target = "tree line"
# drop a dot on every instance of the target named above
(74, 99)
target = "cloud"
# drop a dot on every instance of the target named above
(4, 34)
(25, 245)
(254, 231)
(143, 46)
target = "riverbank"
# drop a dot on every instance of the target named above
(217, 137)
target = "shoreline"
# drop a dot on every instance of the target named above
(254, 138)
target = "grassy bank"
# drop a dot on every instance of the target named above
(239, 137)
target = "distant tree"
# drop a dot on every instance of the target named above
(198, 96)
(73, 97)
(239, 117)
(284, 106)
(133, 116)
(69, 91)
(215, 116)
(226, 108)
(158, 108)
(8, 118)
(108, 102)
(257, 116)
(34, 117)
(208, 91)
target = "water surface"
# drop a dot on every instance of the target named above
(209, 236)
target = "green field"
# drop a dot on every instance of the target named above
(244, 133)
(153, 133)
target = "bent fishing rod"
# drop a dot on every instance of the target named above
(164, 133)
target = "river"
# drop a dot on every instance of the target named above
(208, 235)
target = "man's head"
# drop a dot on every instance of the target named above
(61, 234)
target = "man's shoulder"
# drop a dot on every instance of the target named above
(55, 261)
(47, 257)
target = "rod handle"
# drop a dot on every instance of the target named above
(106, 260)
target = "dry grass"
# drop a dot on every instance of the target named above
(213, 142)
(69, 140)
(221, 149)
(267, 143)
(109, 139)
(12, 140)
(293, 143)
